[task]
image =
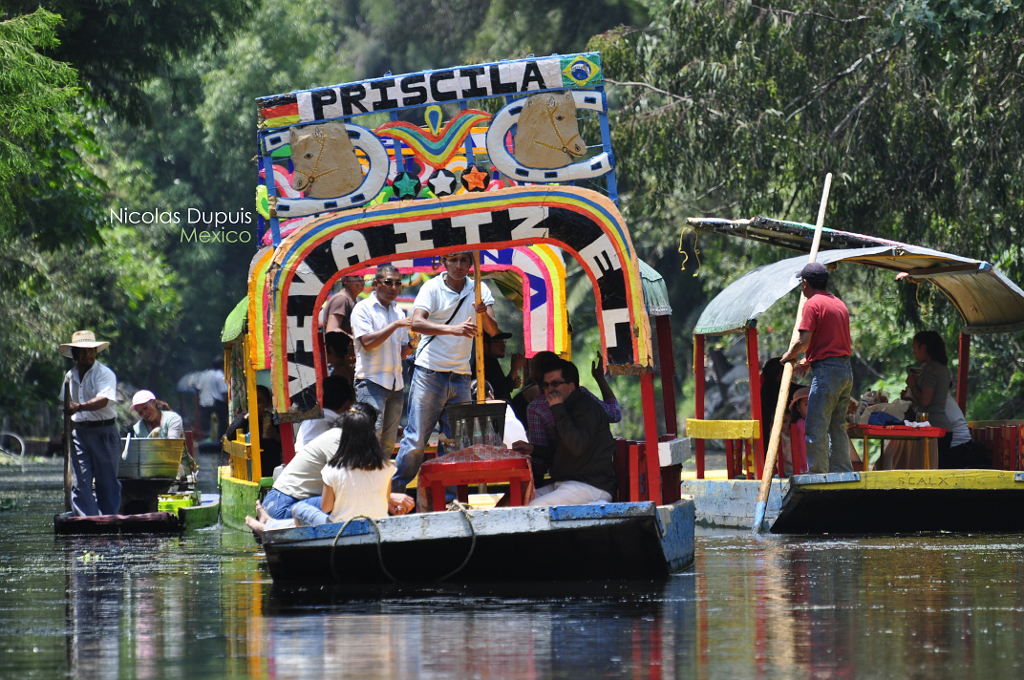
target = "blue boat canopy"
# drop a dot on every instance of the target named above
(987, 300)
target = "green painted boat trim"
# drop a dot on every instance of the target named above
(237, 499)
(199, 516)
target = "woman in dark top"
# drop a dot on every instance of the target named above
(929, 386)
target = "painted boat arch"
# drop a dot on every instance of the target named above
(585, 224)
(537, 273)
(538, 269)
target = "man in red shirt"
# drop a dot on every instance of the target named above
(825, 337)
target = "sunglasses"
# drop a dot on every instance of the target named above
(390, 282)
(553, 383)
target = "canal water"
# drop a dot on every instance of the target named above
(203, 606)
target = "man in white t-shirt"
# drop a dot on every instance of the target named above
(445, 314)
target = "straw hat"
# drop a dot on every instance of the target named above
(84, 339)
(802, 393)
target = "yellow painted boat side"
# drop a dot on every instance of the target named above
(938, 480)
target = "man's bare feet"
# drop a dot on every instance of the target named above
(262, 514)
(255, 525)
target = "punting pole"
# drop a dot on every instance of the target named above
(67, 445)
(787, 375)
(481, 387)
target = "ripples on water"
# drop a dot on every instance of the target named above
(203, 606)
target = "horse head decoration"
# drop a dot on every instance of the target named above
(548, 135)
(325, 161)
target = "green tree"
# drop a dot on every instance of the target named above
(733, 109)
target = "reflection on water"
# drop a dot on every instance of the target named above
(203, 606)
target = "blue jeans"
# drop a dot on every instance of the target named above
(429, 394)
(279, 505)
(831, 385)
(308, 512)
(389, 411)
(96, 456)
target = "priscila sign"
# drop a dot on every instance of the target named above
(504, 78)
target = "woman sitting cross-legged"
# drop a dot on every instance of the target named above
(357, 480)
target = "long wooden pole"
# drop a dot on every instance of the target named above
(67, 446)
(481, 386)
(787, 375)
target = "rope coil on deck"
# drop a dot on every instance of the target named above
(472, 546)
(380, 556)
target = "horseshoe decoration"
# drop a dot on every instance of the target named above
(374, 180)
(508, 165)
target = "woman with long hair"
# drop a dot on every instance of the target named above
(357, 480)
(928, 385)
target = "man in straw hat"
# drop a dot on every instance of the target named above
(96, 445)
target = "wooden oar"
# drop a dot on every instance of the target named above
(787, 375)
(67, 446)
(481, 387)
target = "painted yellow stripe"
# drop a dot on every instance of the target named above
(938, 480)
(280, 120)
(723, 429)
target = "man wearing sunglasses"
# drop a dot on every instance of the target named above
(381, 331)
(582, 458)
(445, 315)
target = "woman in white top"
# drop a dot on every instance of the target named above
(357, 480)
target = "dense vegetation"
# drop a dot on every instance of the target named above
(724, 108)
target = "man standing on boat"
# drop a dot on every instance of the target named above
(381, 331)
(582, 458)
(445, 314)
(338, 331)
(96, 446)
(825, 337)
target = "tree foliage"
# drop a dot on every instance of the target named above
(732, 109)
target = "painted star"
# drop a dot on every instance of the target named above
(475, 180)
(442, 182)
(406, 185)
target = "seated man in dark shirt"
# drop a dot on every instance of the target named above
(582, 458)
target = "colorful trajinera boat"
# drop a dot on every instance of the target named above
(339, 199)
(863, 501)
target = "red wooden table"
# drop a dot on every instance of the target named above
(437, 473)
(903, 432)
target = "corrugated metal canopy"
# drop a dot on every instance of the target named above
(987, 300)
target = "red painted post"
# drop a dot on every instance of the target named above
(963, 367)
(698, 379)
(668, 372)
(728, 459)
(651, 435)
(287, 442)
(754, 370)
